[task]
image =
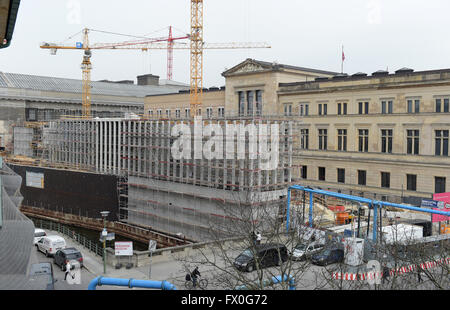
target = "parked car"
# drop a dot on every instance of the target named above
(38, 235)
(303, 251)
(328, 256)
(43, 270)
(265, 254)
(49, 245)
(68, 254)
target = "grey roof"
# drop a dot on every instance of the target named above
(45, 83)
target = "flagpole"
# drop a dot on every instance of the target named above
(342, 62)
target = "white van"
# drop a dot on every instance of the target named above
(49, 245)
(38, 235)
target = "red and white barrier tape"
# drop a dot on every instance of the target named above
(378, 275)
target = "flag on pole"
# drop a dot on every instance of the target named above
(343, 59)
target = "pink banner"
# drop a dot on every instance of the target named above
(442, 197)
(445, 197)
(441, 218)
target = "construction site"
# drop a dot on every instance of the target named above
(188, 196)
(108, 151)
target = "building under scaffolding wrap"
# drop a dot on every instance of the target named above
(171, 181)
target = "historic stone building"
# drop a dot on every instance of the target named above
(383, 135)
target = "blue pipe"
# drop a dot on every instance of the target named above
(374, 227)
(288, 209)
(99, 281)
(371, 202)
(274, 280)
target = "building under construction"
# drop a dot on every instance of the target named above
(192, 195)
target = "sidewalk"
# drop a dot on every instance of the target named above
(163, 271)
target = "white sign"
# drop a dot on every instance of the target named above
(124, 248)
(152, 245)
(34, 179)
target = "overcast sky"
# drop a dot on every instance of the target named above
(376, 34)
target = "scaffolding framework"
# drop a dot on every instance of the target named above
(155, 188)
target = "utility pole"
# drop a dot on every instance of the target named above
(104, 234)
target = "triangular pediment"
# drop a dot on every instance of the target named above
(248, 66)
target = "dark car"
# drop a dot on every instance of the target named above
(265, 255)
(328, 256)
(42, 273)
(68, 254)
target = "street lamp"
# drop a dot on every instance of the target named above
(104, 234)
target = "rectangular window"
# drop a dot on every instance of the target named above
(411, 182)
(321, 173)
(150, 113)
(304, 109)
(323, 139)
(444, 108)
(385, 179)
(187, 113)
(304, 140)
(177, 113)
(221, 112)
(241, 103)
(414, 106)
(439, 185)
(250, 99)
(386, 141)
(387, 107)
(304, 172)
(209, 112)
(168, 113)
(362, 174)
(323, 109)
(287, 109)
(363, 107)
(342, 108)
(342, 139)
(159, 113)
(438, 105)
(341, 175)
(258, 102)
(412, 142)
(363, 140)
(441, 143)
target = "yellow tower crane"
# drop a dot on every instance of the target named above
(196, 48)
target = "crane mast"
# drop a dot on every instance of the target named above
(196, 88)
(86, 68)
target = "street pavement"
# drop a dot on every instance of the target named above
(93, 267)
(314, 277)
